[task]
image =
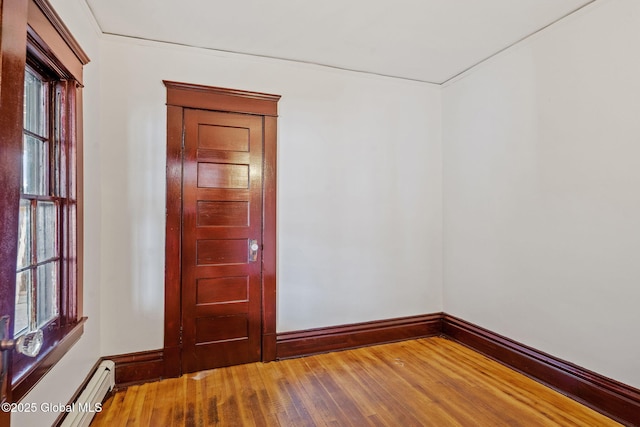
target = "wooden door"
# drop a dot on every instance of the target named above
(221, 243)
(220, 295)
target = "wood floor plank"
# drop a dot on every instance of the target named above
(311, 393)
(162, 405)
(127, 406)
(425, 382)
(295, 410)
(111, 409)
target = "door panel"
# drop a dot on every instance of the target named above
(221, 251)
(222, 215)
(215, 291)
(216, 175)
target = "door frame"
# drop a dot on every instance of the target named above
(13, 52)
(179, 97)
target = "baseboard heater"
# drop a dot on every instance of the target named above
(85, 407)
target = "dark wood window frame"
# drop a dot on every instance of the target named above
(54, 54)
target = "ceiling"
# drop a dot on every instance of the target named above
(425, 40)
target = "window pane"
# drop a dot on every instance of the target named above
(58, 171)
(34, 167)
(47, 293)
(34, 107)
(23, 302)
(46, 225)
(24, 235)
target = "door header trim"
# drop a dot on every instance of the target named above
(231, 100)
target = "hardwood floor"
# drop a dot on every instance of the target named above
(425, 382)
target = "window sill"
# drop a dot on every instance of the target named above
(25, 381)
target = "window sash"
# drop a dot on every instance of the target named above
(38, 291)
(49, 274)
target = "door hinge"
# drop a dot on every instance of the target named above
(180, 336)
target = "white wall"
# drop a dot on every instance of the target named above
(541, 206)
(63, 380)
(541, 212)
(542, 191)
(359, 186)
(359, 189)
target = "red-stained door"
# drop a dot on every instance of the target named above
(221, 239)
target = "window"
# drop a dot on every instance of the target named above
(48, 292)
(40, 230)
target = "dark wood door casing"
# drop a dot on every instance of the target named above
(13, 41)
(182, 100)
